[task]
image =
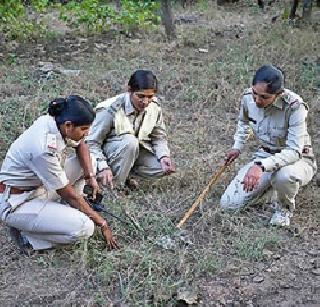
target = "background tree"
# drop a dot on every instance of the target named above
(167, 19)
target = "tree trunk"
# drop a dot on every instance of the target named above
(221, 2)
(167, 19)
(293, 10)
(261, 4)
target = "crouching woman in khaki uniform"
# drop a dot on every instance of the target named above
(284, 160)
(36, 174)
(128, 136)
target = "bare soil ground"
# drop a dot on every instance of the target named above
(220, 259)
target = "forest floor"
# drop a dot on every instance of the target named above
(220, 258)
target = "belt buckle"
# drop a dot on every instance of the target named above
(306, 150)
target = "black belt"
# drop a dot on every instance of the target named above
(269, 150)
(13, 190)
(305, 150)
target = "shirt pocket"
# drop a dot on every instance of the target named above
(253, 124)
(278, 135)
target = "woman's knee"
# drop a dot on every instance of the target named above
(283, 177)
(77, 225)
(130, 142)
(85, 229)
(229, 202)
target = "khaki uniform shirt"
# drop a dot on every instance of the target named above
(36, 158)
(280, 127)
(117, 116)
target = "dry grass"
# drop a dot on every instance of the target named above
(219, 254)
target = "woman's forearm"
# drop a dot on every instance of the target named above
(78, 202)
(83, 155)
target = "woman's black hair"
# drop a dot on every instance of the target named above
(143, 80)
(73, 108)
(272, 76)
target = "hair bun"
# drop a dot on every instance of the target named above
(56, 106)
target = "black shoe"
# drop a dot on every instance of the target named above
(132, 184)
(20, 240)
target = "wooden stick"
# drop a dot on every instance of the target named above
(200, 198)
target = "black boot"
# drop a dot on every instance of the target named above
(20, 240)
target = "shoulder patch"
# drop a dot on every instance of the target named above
(116, 105)
(51, 142)
(156, 100)
(107, 103)
(293, 100)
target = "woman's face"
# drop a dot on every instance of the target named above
(260, 95)
(142, 98)
(75, 133)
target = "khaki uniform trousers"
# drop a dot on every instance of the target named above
(285, 184)
(125, 155)
(43, 220)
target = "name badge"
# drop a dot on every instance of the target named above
(51, 141)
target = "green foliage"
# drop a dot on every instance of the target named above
(40, 5)
(94, 15)
(14, 21)
(10, 10)
(98, 16)
(252, 248)
(139, 13)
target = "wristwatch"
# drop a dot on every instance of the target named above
(259, 163)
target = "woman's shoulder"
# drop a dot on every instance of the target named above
(114, 102)
(44, 136)
(247, 91)
(293, 100)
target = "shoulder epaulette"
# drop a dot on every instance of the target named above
(293, 100)
(247, 91)
(116, 105)
(156, 100)
(112, 104)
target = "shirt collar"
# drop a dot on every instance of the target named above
(278, 103)
(128, 106)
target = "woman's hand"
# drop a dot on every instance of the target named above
(252, 178)
(167, 165)
(95, 186)
(106, 177)
(107, 235)
(231, 155)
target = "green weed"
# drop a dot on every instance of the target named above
(251, 248)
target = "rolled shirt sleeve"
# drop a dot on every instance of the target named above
(49, 170)
(158, 138)
(243, 131)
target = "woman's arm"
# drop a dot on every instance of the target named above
(78, 202)
(99, 130)
(83, 155)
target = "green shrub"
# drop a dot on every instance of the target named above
(91, 13)
(140, 13)
(94, 15)
(98, 16)
(14, 21)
